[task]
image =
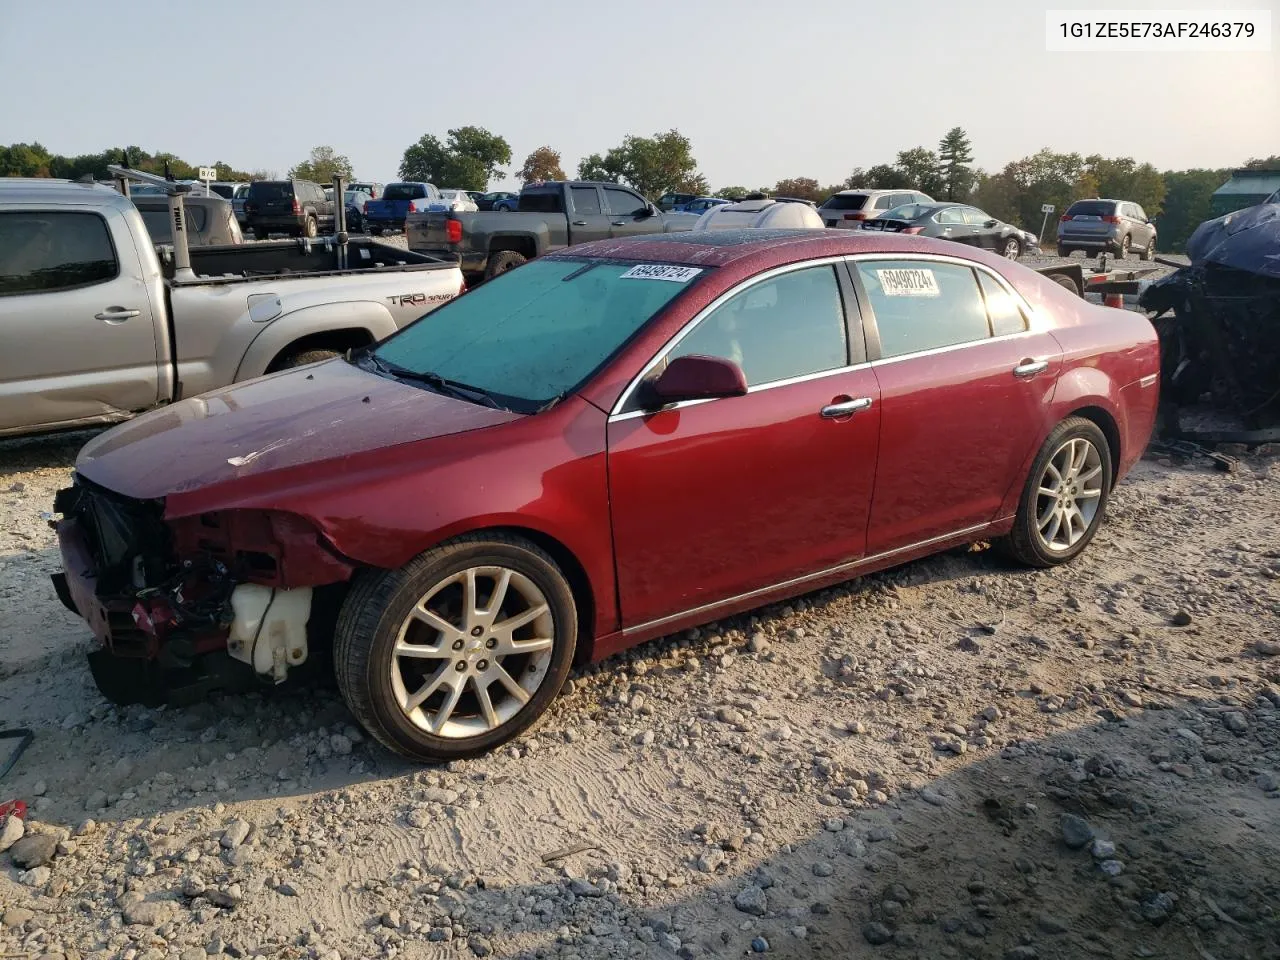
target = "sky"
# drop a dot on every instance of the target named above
(806, 88)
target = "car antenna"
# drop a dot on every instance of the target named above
(168, 173)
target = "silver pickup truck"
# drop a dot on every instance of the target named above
(96, 327)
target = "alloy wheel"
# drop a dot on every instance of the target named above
(1011, 249)
(472, 652)
(1070, 490)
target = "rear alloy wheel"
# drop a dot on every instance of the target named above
(459, 651)
(1126, 245)
(1065, 497)
(309, 228)
(1012, 249)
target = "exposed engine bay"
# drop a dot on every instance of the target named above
(174, 602)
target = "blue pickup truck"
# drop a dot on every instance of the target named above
(398, 200)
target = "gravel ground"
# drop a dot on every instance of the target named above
(951, 759)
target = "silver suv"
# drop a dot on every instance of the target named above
(848, 208)
(1111, 226)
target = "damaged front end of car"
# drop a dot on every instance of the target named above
(183, 605)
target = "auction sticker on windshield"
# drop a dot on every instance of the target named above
(661, 271)
(908, 283)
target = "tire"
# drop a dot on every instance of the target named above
(309, 227)
(302, 357)
(259, 233)
(1065, 252)
(1126, 244)
(376, 231)
(377, 615)
(1026, 542)
(1011, 248)
(1149, 251)
(503, 261)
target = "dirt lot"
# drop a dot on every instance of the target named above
(951, 759)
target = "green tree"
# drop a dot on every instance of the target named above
(322, 166)
(857, 178)
(468, 159)
(955, 154)
(1263, 163)
(653, 165)
(920, 167)
(542, 164)
(1186, 204)
(731, 193)
(802, 188)
(24, 160)
(884, 176)
(1123, 178)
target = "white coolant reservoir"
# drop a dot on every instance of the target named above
(269, 631)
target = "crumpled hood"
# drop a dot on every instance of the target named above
(306, 416)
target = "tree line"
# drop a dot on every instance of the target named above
(472, 157)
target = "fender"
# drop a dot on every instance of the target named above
(277, 334)
(540, 235)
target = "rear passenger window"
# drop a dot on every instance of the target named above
(1006, 316)
(41, 252)
(921, 305)
(884, 202)
(586, 200)
(786, 327)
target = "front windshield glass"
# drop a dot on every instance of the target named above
(531, 336)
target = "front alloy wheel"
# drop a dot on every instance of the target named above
(1012, 249)
(1065, 496)
(458, 651)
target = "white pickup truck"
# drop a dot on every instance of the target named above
(95, 326)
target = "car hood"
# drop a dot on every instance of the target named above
(309, 415)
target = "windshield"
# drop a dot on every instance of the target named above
(908, 211)
(845, 201)
(531, 336)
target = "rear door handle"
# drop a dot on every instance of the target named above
(618, 223)
(578, 223)
(834, 411)
(1029, 368)
(116, 314)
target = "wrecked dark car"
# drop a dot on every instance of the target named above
(1219, 322)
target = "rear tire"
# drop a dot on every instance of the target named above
(1126, 244)
(1065, 252)
(502, 262)
(1065, 496)
(309, 227)
(376, 231)
(259, 233)
(302, 357)
(410, 608)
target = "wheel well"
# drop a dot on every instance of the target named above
(1107, 425)
(579, 584)
(521, 245)
(328, 340)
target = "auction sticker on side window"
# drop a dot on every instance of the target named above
(661, 271)
(908, 283)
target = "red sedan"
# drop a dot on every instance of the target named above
(605, 445)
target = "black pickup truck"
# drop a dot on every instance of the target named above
(550, 216)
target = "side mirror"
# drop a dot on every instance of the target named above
(991, 223)
(648, 211)
(694, 377)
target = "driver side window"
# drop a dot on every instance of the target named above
(789, 326)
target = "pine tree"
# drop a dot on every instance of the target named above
(954, 158)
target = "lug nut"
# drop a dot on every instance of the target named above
(460, 666)
(482, 665)
(491, 643)
(477, 631)
(457, 644)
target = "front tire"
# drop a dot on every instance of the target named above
(1149, 251)
(1012, 248)
(1065, 496)
(301, 358)
(503, 261)
(460, 650)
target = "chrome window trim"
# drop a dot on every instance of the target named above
(617, 412)
(803, 578)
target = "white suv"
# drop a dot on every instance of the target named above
(847, 209)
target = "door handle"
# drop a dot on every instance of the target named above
(845, 408)
(116, 314)
(578, 223)
(618, 223)
(1029, 368)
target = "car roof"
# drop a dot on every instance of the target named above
(49, 190)
(754, 249)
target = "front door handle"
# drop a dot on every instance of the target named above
(116, 314)
(1029, 368)
(618, 223)
(578, 223)
(845, 408)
